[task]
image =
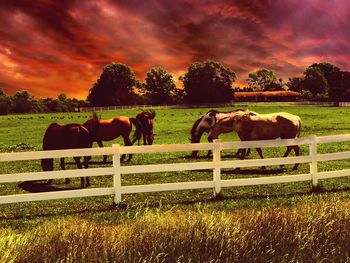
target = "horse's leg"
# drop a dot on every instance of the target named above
(210, 139)
(241, 156)
(239, 153)
(127, 142)
(261, 156)
(78, 163)
(86, 165)
(63, 167)
(297, 153)
(100, 144)
(144, 138)
(289, 149)
(243, 153)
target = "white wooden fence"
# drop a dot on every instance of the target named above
(216, 164)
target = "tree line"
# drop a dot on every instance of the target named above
(204, 82)
(212, 82)
(24, 102)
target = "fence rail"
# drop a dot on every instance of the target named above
(216, 164)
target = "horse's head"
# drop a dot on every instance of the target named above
(203, 124)
(146, 121)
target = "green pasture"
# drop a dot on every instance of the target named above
(25, 132)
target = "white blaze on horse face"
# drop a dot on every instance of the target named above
(206, 123)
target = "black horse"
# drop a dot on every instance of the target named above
(69, 136)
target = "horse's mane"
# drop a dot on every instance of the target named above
(195, 125)
(149, 113)
(213, 113)
(92, 125)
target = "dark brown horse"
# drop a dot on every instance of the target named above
(113, 128)
(145, 120)
(70, 136)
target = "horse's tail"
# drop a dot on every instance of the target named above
(47, 164)
(138, 130)
(299, 130)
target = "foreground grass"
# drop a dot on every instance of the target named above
(308, 232)
(280, 223)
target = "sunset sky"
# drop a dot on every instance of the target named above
(52, 46)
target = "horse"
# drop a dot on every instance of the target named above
(204, 125)
(251, 126)
(113, 128)
(145, 120)
(69, 136)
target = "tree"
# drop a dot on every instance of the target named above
(114, 87)
(160, 86)
(294, 84)
(345, 86)
(263, 80)
(5, 103)
(23, 102)
(328, 81)
(315, 83)
(208, 81)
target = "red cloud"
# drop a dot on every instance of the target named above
(49, 47)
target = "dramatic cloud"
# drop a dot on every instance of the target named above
(50, 47)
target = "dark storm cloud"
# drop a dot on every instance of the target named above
(52, 46)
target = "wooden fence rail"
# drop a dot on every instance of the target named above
(216, 164)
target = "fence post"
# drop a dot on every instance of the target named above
(217, 169)
(117, 184)
(313, 164)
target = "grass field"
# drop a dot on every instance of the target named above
(20, 222)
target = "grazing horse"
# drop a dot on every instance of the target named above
(252, 126)
(206, 122)
(70, 136)
(145, 120)
(112, 128)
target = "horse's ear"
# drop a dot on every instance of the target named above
(94, 116)
(151, 114)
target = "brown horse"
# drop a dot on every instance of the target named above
(145, 120)
(113, 128)
(70, 136)
(251, 126)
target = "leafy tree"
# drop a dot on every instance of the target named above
(208, 81)
(315, 83)
(62, 97)
(50, 105)
(345, 86)
(160, 86)
(5, 103)
(263, 80)
(294, 84)
(114, 87)
(326, 81)
(23, 102)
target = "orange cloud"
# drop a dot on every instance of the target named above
(50, 47)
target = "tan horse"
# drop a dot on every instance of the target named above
(252, 126)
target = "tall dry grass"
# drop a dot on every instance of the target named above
(303, 233)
